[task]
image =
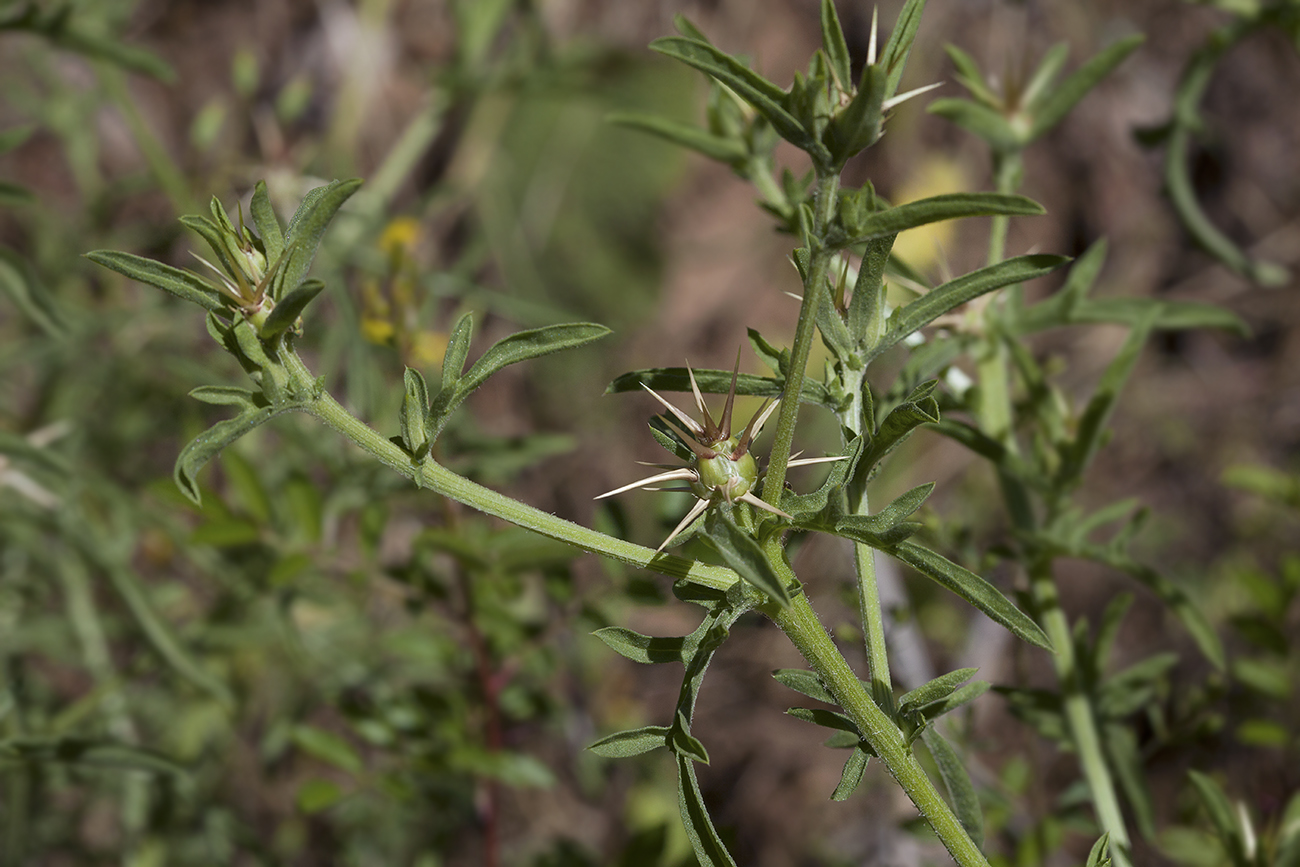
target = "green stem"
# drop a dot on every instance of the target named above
(1078, 711)
(864, 559)
(432, 475)
(813, 290)
(800, 623)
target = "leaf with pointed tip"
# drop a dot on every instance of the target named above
(216, 240)
(19, 281)
(286, 313)
(224, 395)
(857, 125)
(1171, 594)
(526, 345)
(919, 408)
(973, 589)
(1055, 105)
(208, 444)
(804, 682)
(981, 120)
(804, 507)
(1037, 88)
(837, 50)
(688, 29)
(934, 209)
(708, 846)
(894, 57)
(965, 803)
(715, 382)
(741, 552)
(866, 319)
(633, 742)
(180, 283)
(683, 743)
(96, 753)
(305, 231)
(970, 77)
(1222, 816)
(825, 718)
(727, 150)
(938, 301)
(648, 649)
(413, 417)
(267, 223)
(777, 360)
(766, 98)
(939, 688)
(670, 439)
(851, 776)
(1099, 855)
(958, 697)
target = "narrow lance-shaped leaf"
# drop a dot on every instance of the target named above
(715, 147)
(941, 687)
(87, 752)
(1058, 103)
(648, 649)
(837, 50)
(973, 589)
(683, 743)
(453, 360)
(25, 290)
(965, 803)
(413, 417)
(1222, 816)
(1099, 855)
(1037, 88)
(1092, 425)
(305, 233)
(286, 312)
(981, 120)
(180, 283)
(634, 742)
(851, 776)
(766, 98)
(742, 553)
(525, 345)
(938, 301)
(709, 848)
(715, 382)
(804, 682)
(894, 57)
(934, 209)
(208, 444)
(267, 223)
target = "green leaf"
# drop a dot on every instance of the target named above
(208, 444)
(949, 206)
(804, 682)
(715, 382)
(837, 50)
(965, 803)
(857, 125)
(633, 742)
(683, 743)
(1048, 69)
(919, 408)
(1099, 855)
(715, 147)
(647, 649)
(225, 395)
(1092, 424)
(939, 688)
(894, 57)
(305, 232)
(86, 752)
(970, 77)
(851, 776)
(525, 345)
(214, 236)
(742, 553)
(1222, 816)
(938, 301)
(453, 360)
(708, 846)
(286, 312)
(267, 223)
(777, 360)
(766, 98)
(980, 120)
(317, 796)
(11, 193)
(328, 747)
(866, 319)
(973, 589)
(1056, 105)
(180, 283)
(956, 699)
(18, 281)
(825, 718)
(413, 417)
(805, 507)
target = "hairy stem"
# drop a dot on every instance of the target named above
(430, 474)
(800, 623)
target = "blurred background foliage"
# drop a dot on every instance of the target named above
(323, 665)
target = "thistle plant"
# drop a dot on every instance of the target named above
(257, 297)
